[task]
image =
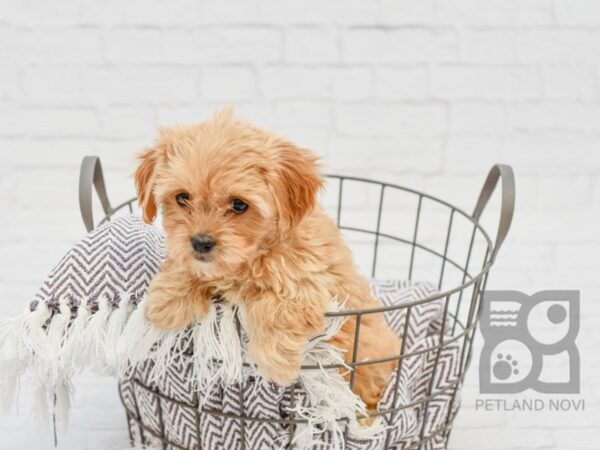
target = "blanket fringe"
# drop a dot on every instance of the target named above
(74, 352)
(329, 396)
(116, 339)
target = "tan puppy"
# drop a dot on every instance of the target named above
(242, 223)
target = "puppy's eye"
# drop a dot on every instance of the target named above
(182, 198)
(238, 206)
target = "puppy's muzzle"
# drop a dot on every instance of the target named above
(202, 243)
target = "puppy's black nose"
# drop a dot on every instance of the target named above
(202, 243)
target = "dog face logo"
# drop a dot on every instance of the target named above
(228, 191)
(523, 334)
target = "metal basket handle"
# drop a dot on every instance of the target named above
(507, 207)
(91, 175)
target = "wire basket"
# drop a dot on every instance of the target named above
(395, 232)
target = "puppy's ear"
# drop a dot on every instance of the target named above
(144, 182)
(297, 182)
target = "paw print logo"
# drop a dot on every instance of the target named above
(505, 367)
(510, 362)
(521, 334)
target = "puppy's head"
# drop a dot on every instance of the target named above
(228, 191)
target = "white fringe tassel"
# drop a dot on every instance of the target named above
(115, 340)
(329, 395)
(51, 353)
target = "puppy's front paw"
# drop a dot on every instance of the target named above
(174, 313)
(279, 367)
(281, 375)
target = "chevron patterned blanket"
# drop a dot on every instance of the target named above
(186, 387)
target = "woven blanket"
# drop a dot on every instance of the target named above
(89, 315)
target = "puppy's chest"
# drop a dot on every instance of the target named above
(245, 291)
(234, 292)
(285, 277)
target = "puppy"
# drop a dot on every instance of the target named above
(242, 223)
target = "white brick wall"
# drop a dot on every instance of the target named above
(425, 93)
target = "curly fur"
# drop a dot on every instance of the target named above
(283, 259)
